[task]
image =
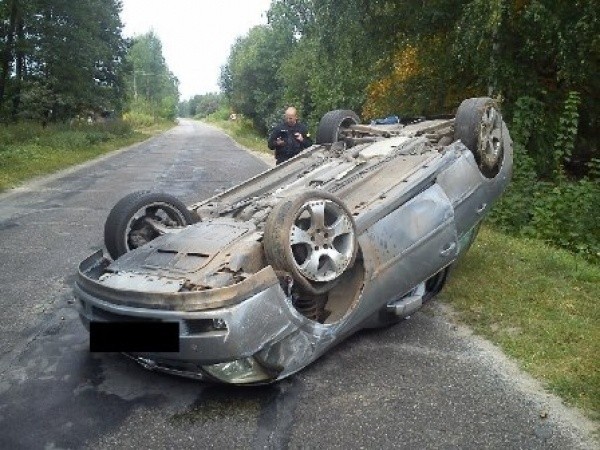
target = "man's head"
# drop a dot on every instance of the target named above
(291, 116)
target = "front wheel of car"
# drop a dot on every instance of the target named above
(478, 124)
(333, 123)
(312, 236)
(140, 217)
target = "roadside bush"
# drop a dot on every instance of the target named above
(138, 119)
(566, 215)
(513, 211)
(20, 132)
(222, 113)
(559, 211)
(96, 137)
(66, 140)
(116, 127)
(73, 136)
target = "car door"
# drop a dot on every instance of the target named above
(409, 245)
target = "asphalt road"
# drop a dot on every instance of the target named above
(425, 383)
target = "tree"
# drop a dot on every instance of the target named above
(203, 105)
(418, 58)
(69, 51)
(249, 79)
(542, 50)
(152, 88)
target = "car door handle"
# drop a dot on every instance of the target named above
(448, 249)
(481, 208)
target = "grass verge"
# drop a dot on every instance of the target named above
(30, 150)
(540, 305)
(241, 131)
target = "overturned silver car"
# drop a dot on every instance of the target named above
(357, 231)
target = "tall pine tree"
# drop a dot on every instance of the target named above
(60, 58)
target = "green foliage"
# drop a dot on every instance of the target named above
(137, 119)
(201, 106)
(221, 114)
(152, 90)
(36, 100)
(60, 58)
(241, 129)
(539, 58)
(514, 209)
(167, 108)
(594, 169)
(561, 212)
(566, 133)
(65, 136)
(294, 77)
(249, 79)
(545, 50)
(566, 215)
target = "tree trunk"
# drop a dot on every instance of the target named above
(7, 53)
(20, 66)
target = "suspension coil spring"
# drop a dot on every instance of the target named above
(308, 306)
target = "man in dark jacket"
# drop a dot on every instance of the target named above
(289, 137)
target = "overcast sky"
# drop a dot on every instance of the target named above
(196, 34)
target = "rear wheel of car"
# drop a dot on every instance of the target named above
(328, 131)
(311, 236)
(433, 286)
(140, 217)
(478, 125)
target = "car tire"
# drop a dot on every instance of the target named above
(311, 236)
(478, 125)
(332, 122)
(123, 230)
(435, 284)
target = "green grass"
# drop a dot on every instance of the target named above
(28, 150)
(540, 305)
(241, 131)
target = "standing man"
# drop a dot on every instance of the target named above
(289, 137)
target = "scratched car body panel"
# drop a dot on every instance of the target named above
(352, 233)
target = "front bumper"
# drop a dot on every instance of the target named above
(209, 338)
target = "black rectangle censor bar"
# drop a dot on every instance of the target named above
(134, 337)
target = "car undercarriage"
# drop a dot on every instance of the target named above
(357, 231)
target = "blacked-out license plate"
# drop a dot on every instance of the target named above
(134, 337)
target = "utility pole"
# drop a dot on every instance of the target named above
(135, 90)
